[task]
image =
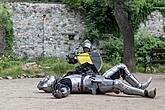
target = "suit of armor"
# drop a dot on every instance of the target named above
(85, 80)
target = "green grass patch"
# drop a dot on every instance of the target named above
(49, 66)
(105, 67)
(55, 66)
(156, 68)
(52, 66)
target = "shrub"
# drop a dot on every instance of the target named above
(114, 50)
(6, 23)
(144, 41)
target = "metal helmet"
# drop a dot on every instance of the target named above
(87, 44)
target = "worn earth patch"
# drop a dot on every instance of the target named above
(22, 94)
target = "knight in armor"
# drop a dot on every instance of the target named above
(71, 57)
(87, 79)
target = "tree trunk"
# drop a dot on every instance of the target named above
(127, 32)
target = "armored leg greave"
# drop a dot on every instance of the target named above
(127, 89)
(121, 70)
(111, 85)
(132, 90)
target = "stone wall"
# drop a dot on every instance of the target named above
(155, 23)
(45, 29)
(53, 29)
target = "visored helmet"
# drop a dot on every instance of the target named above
(87, 44)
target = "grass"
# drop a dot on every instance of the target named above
(105, 67)
(156, 68)
(53, 66)
(49, 66)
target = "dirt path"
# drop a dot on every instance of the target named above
(22, 94)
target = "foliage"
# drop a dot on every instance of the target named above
(159, 5)
(53, 65)
(43, 1)
(10, 66)
(91, 33)
(105, 67)
(157, 68)
(144, 42)
(138, 10)
(114, 50)
(99, 17)
(6, 22)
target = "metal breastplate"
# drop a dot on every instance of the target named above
(80, 83)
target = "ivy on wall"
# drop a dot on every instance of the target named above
(159, 5)
(43, 1)
(100, 18)
(7, 24)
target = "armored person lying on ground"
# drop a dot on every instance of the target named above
(86, 79)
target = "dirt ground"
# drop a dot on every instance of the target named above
(22, 94)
